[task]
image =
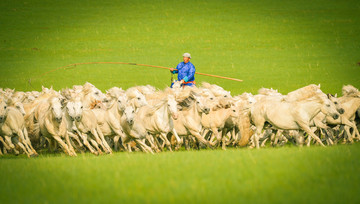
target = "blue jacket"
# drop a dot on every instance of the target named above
(185, 71)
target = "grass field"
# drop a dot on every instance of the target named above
(267, 43)
(277, 175)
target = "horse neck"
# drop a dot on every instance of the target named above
(114, 108)
(51, 117)
(312, 107)
(87, 99)
(164, 110)
(223, 113)
(354, 104)
(193, 111)
(67, 117)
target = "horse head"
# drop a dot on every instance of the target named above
(3, 111)
(336, 102)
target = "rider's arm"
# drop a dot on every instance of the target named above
(190, 74)
(175, 71)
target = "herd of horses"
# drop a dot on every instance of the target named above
(142, 118)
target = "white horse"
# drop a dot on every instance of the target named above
(158, 119)
(52, 125)
(133, 128)
(86, 126)
(12, 124)
(91, 96)
(293, 113)
(109, 120)
(189, 118)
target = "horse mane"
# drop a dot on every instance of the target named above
(87, 88)
(131, 93)
(157, 95)
(349, 90)
(156, 107)
(146, 90)
(215, 89)
(187, 102)
(66, 93)
(267, 92)
(303, 93)
(206, 93)
(114, 92)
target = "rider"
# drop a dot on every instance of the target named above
(185, 71)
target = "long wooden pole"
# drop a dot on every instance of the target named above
(128, 63)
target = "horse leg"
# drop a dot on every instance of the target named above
(166, 141)
(23, 142)
(264, 141)
(308, 140)
(52, 144)
(178, 140)
(63, 145)
(257, 135)
(76, 138)
(277, 137)
(6, 146)
(99, 141)
(22, 146)
(27, 140)
(84, 138)
(96, 145)
(217, 134)
(70, 147)
(349, 136)
(144, 146)
(234, 136)
(205, 133)
(355, 131)
(307, 129)
(186, 143)
(223, 139)
(200, 138)
(101, 135)
(151, 141)
(159, 146)
(9, 142)
(80, 144)
(140, 145)
(231, 139)
(116, 142)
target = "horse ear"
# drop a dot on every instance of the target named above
(319, 86)
(63, 102)
(335, 95)
(328, 95)
(217, 107)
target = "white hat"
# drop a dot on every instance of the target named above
(187, 55)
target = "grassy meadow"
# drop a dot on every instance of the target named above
(267, 43)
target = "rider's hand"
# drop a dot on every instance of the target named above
(172, 69)
(182, 81)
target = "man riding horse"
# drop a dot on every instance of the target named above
(185, 71)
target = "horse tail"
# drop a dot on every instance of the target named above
(244, 128)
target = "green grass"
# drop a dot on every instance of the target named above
(267, 43)
(279, 44)
(271, 175)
